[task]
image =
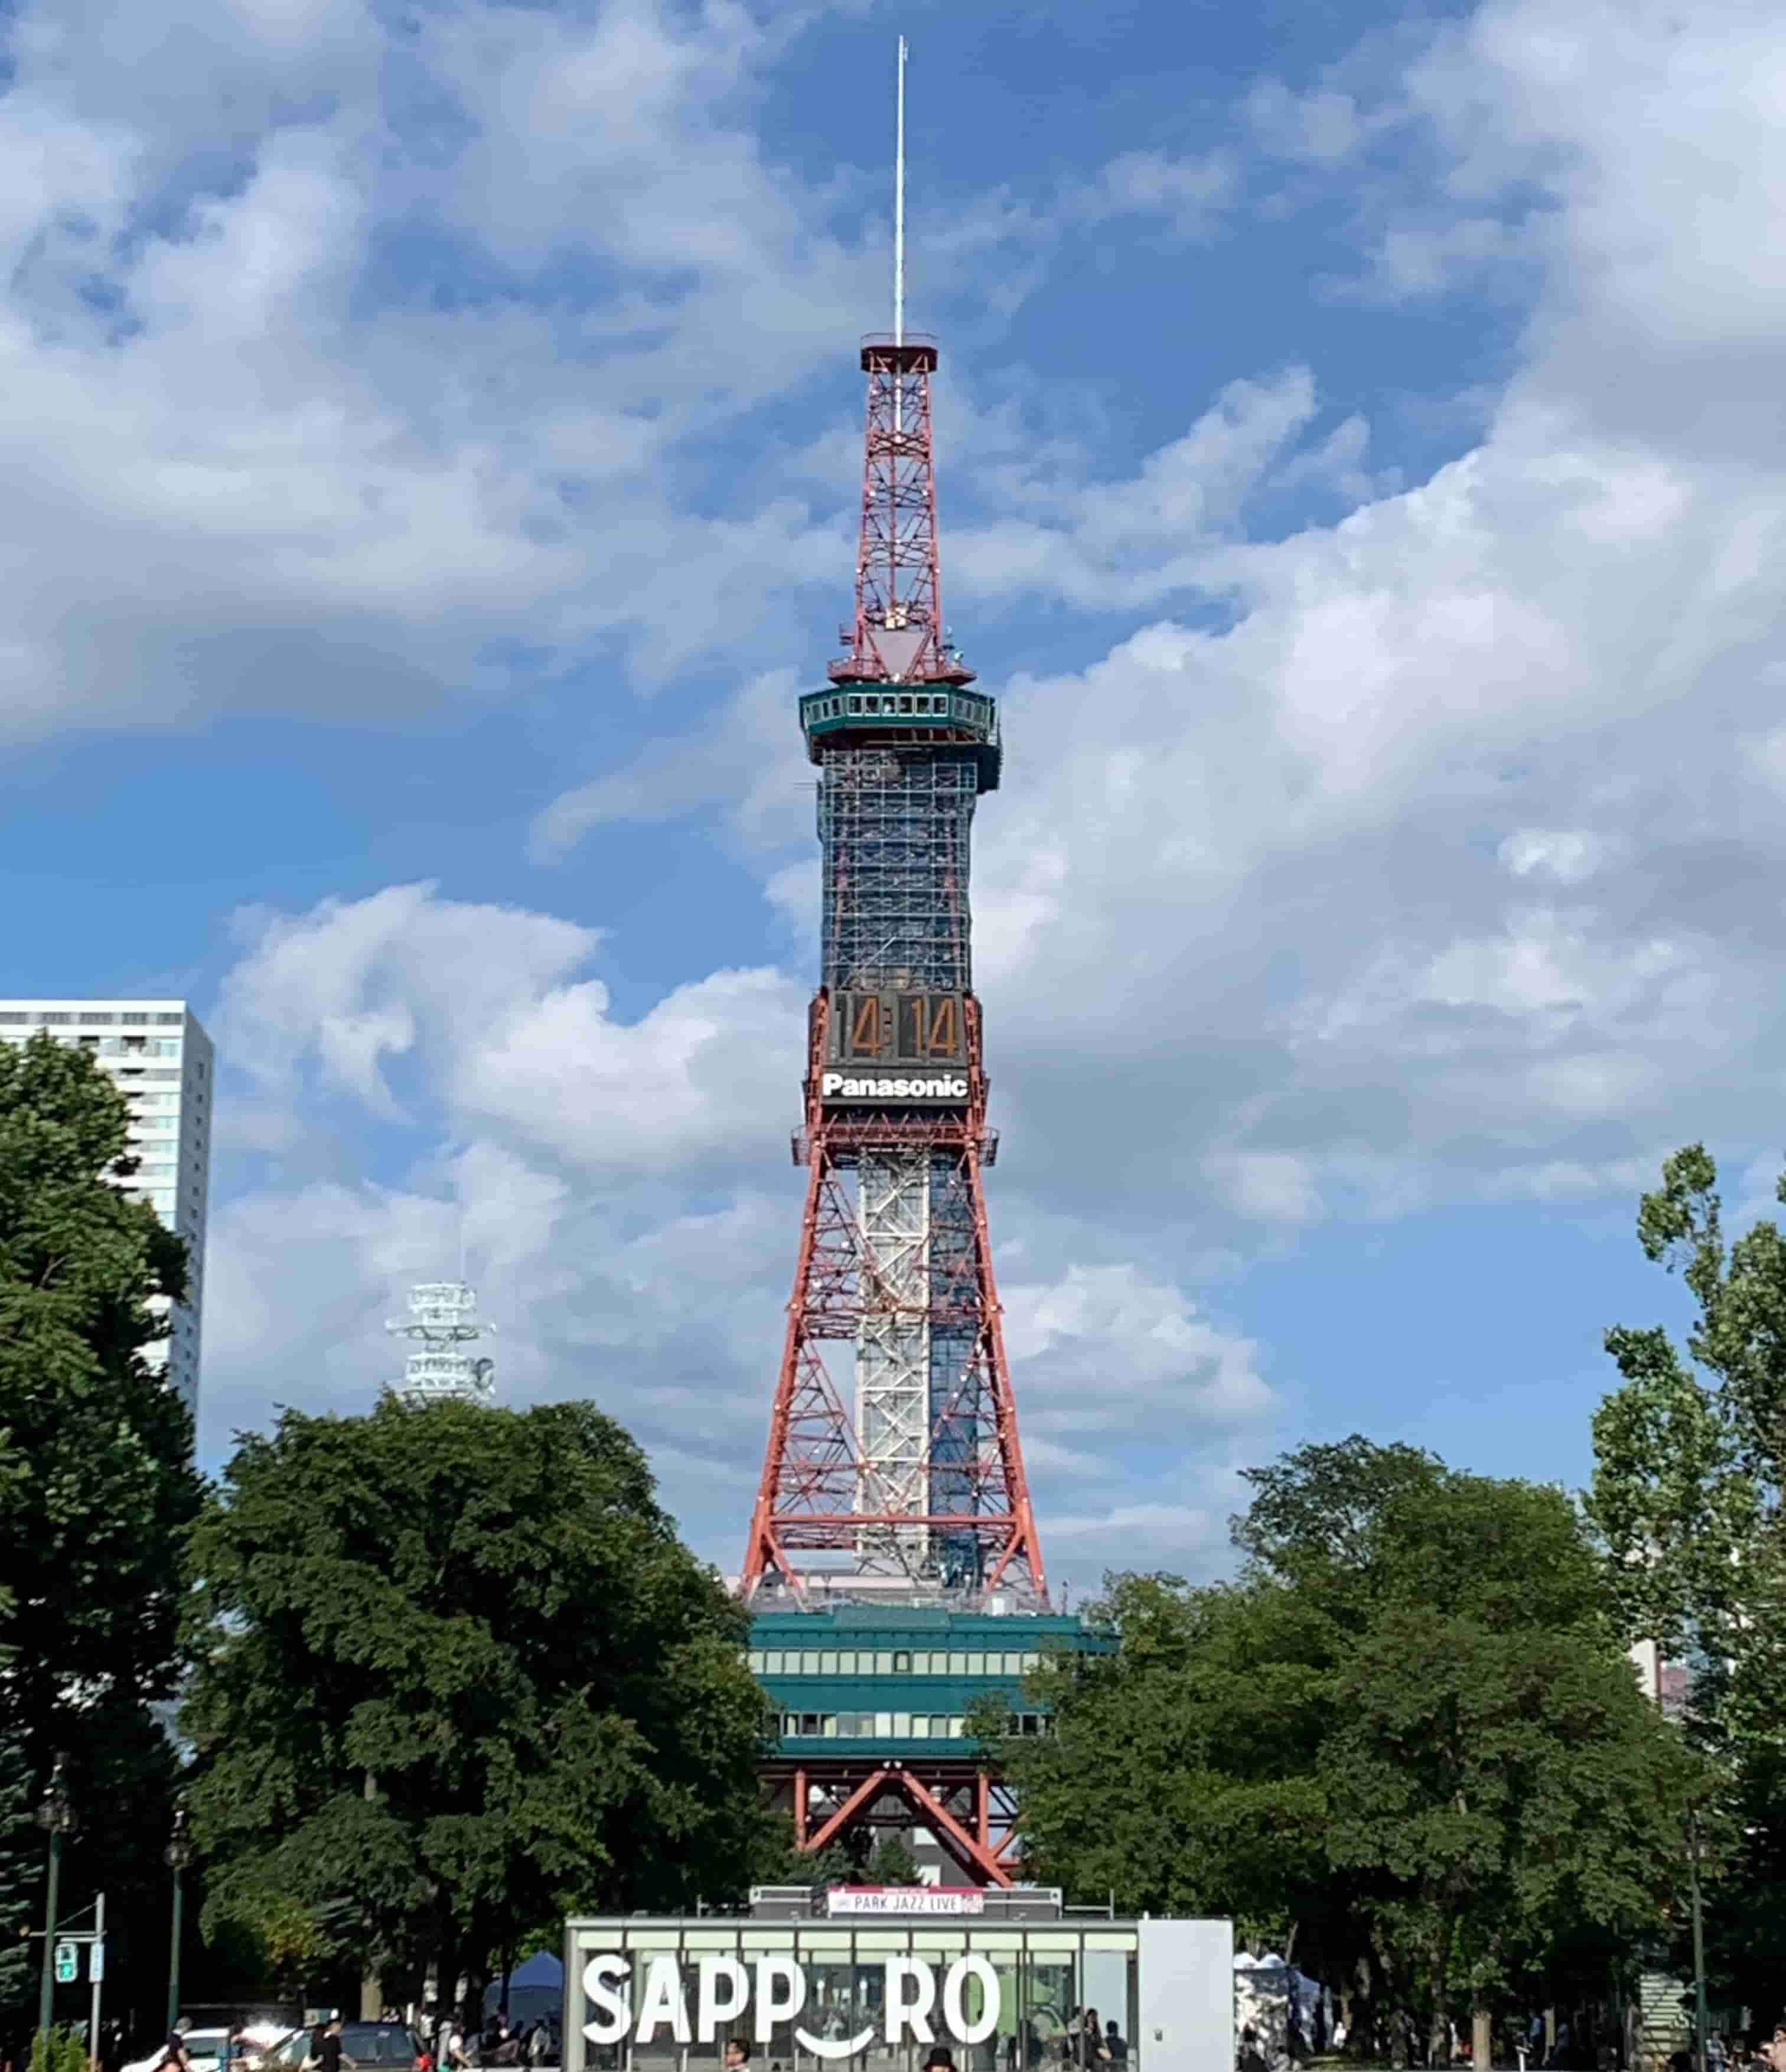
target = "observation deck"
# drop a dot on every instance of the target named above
(858, 714)
(899, 1681)
(912, 352)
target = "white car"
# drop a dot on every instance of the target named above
(203, 2046)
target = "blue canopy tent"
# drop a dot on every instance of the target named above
(536, 1988)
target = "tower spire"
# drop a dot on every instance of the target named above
(899, 204)
(898, 635)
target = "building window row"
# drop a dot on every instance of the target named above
(113, 1046)
(895, 1726)
(919, 704)
(47, 1018)
(888, 1662)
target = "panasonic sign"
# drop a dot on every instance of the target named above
(932, 1087)
(917, 1999)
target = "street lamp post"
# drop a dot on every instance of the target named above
(56, 1814)
(178, 1855)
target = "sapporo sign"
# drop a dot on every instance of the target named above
(918, 1997)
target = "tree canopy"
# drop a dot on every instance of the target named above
(97, 1489)
(1688, 1488)
(95, 1448)
(1406, 1743)
(455, 1675)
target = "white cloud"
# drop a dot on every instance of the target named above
(1125, 545)
(1247, 938)
(481, 1005)
(258, 466)
(1568, 855)
(1193, 192)
(1106, 1346)
(1324, 127)
(754, 744)
(1268, 1186)
(1543, 964)
(609, 1185)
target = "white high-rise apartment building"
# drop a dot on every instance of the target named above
(161, 1059)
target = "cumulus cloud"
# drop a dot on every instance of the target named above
(610, 1185)
(480, 1006)
(1104, 1347)
(1567, 854)
(1269, 1187)
(256, 470)
(1255, 876)
(1190, 193)
(1412, 853)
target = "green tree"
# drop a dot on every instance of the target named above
(1405, 1745)
(1509, 1796)
(456, 1675)
(1688, 1492)
(102, 1483)
(21, 1871)
(1177, 1774)
(97, 1486)
(891, 1862)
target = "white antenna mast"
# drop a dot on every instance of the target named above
(899, 206)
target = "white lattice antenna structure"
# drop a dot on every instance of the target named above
(443, 1321)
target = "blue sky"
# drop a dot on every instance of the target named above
(431, 433)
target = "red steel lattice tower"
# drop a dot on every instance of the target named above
(893, 1466)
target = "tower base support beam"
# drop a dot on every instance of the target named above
(963, 1806)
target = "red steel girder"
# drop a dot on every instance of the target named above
(928, 1796)
(868, 1790)
(809, 1497)
(898, 632)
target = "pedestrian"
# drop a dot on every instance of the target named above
(941, 2059)
(737, 2054)
(1115, 2049)
(329, 2054)
(175, 2057)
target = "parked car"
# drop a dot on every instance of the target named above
(203, 2046)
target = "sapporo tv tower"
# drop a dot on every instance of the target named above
(894, 1470)
(892, 1567)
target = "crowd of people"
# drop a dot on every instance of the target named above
(451, 2045)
